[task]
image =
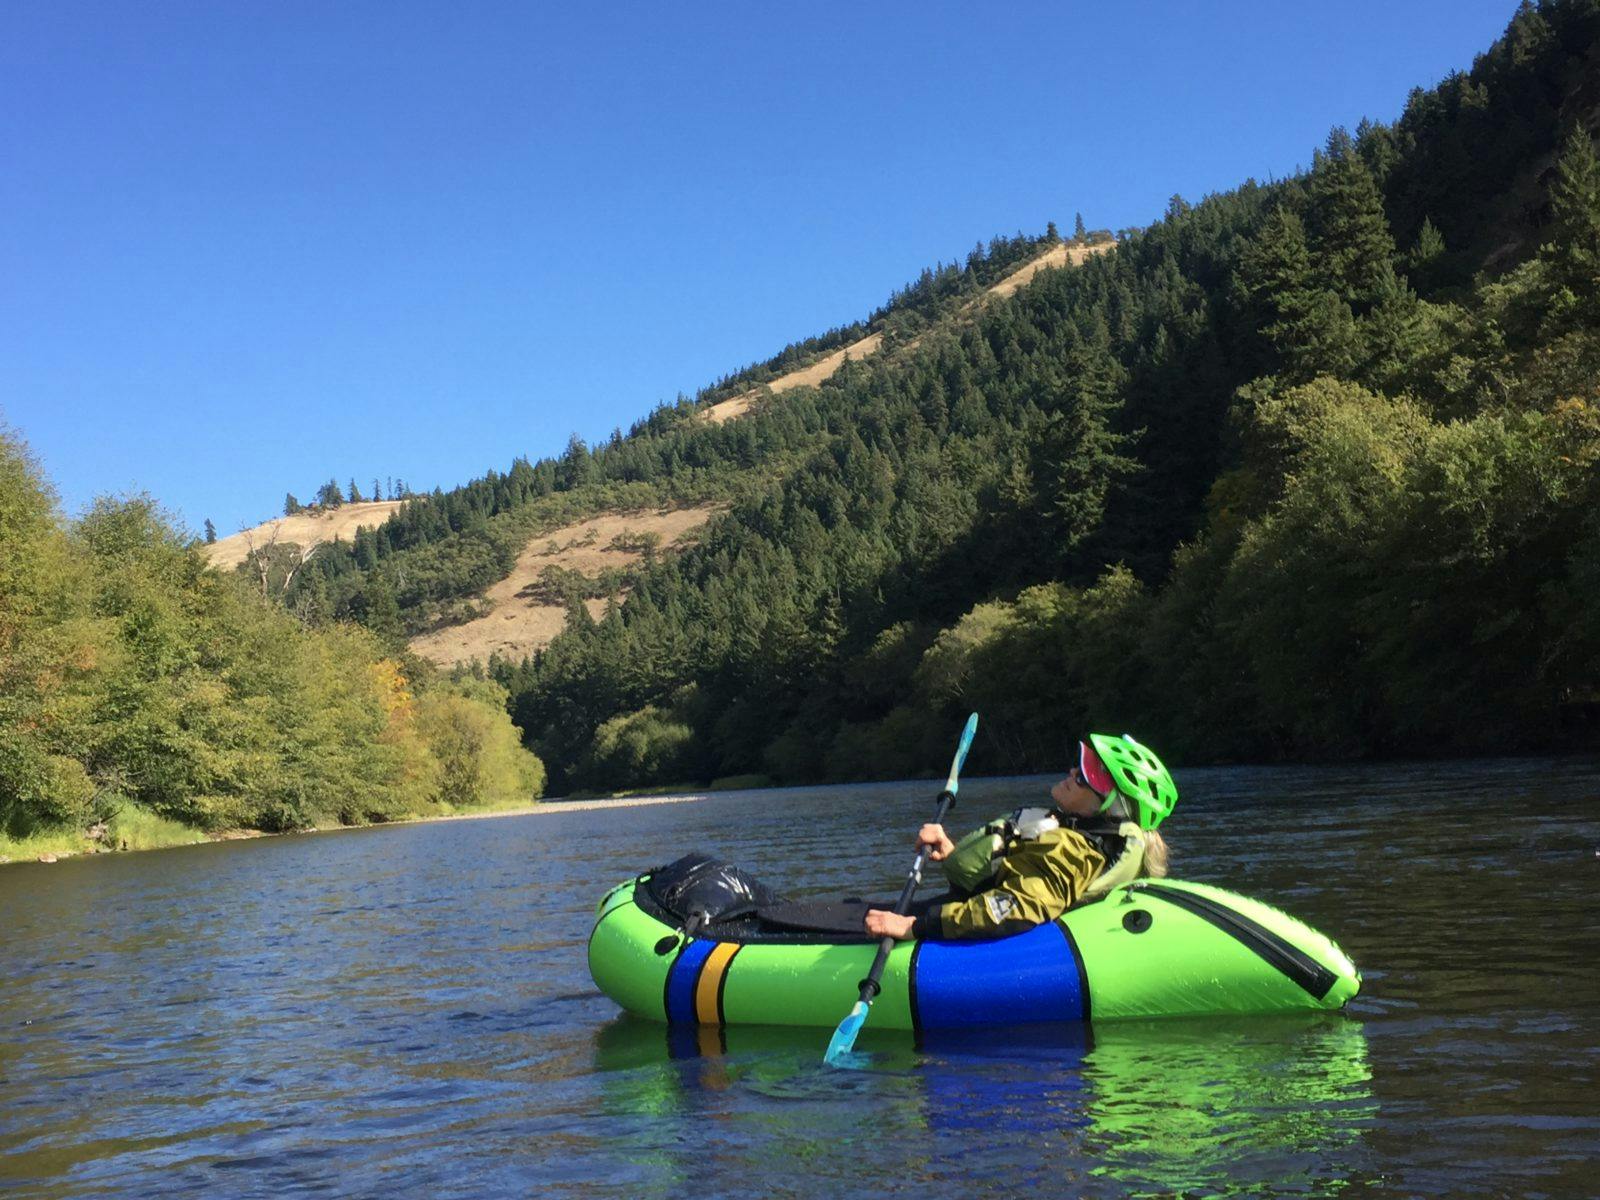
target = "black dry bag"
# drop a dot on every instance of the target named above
(700, 890)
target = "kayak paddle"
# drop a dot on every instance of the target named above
(844, 1037)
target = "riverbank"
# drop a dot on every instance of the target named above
(135, 829)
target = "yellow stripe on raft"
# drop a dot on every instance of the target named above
(706, 1009)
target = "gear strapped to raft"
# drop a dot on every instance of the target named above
(700, 896)
(699, 890)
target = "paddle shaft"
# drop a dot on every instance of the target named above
(870, 986)
(844, 1037)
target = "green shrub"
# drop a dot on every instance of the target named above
(638, 747)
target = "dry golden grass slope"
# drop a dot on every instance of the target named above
(304, 528)
(1061, 255)
(518, 622)
(1056, 256)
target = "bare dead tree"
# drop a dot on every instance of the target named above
(263, 557)
(303, 555)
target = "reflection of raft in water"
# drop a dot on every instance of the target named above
(1149, 949)
(1199, 1106)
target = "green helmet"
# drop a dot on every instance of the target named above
(1138, 775)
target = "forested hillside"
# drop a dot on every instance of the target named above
(424, 567)
(1304, 469)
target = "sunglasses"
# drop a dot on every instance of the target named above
(1092, 773)
(1077, 777)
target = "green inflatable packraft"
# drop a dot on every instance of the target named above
(1153, 948)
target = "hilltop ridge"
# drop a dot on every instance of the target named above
(1061, 255)
(312, 525)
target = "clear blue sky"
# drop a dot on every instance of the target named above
(246, 247)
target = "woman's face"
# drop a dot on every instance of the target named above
(1074, 797)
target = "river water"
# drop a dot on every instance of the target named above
(407, 1011)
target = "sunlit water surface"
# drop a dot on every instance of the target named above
(408, 1011)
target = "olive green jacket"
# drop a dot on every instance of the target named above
(1036, 882)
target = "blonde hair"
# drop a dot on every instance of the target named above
(1155, 855)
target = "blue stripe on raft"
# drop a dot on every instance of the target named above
(685, 973)
(1030, 976)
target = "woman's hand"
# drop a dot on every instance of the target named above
(887, 924)
(935, 837)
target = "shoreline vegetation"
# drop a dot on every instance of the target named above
(148, 832)
(134, 830)
(148, 699)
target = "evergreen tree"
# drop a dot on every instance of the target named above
(329, 495)
(1354, 250)
(1324, 341)
(577, 464)
(1430, 244)
(355, 493)
(211, 532)
(1527, 37)
(1572, 255)
(1397, 338)
(311, 604)
(1376, 145)
(377, 492)
(1275, 268)
(1311, 329)
(1425, 262)
(1081, 455)
(380, 611)
(1080, 231)
(291, 505)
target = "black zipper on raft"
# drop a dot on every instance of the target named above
(1286, 957)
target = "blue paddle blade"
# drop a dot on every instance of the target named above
(954, 781)
(844, 1037)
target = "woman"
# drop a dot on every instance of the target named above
(1033, 866)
